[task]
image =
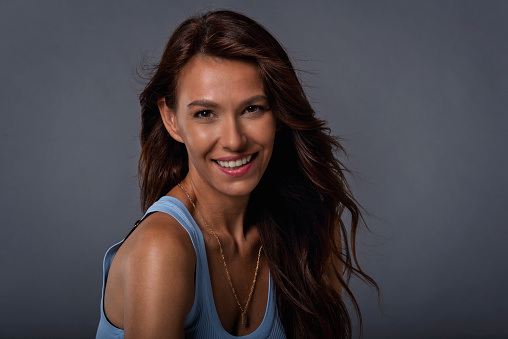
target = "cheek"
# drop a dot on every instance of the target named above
(267, 132)
(200, 137)
(198, 140)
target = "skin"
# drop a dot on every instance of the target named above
(221, 112)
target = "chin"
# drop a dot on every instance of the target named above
(240, 189)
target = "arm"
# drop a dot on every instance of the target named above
(158, 280)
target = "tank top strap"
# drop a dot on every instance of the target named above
(177, 210)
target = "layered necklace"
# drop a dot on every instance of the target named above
(242, 309)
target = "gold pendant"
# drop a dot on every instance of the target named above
(244, 318)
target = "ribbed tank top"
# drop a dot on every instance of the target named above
(202, 320)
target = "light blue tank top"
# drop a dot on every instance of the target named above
(202, 320)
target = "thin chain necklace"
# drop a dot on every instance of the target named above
(243, 309)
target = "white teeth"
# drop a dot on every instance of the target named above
(236, 163)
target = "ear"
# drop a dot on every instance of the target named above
(169, 119)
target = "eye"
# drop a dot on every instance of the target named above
(203, 114)
(255, 109)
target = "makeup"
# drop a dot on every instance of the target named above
(236, 166)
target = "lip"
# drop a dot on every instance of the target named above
(239, 171)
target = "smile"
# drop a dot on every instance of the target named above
(234, 164)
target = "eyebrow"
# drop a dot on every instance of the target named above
(254, 99)
(211, 104)
(203, 103)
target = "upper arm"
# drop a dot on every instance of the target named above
(158, 280)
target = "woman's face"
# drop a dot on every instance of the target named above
(223, 118)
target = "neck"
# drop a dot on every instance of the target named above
(225, 214)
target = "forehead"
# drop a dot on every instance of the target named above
(218, 79)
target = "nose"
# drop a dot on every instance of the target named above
(232, 136)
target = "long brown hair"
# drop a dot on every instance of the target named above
(300, 201)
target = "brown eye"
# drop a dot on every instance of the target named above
(203, 114)
(254, 109)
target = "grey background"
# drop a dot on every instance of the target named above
(419, 88)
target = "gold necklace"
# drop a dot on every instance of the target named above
(242, 309)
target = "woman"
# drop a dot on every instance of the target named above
(250, 240)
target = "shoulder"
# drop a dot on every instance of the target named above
(159, 236)
(156, 265)
(159, 246)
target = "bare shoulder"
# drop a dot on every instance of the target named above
(159, 237)
(156, 272)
